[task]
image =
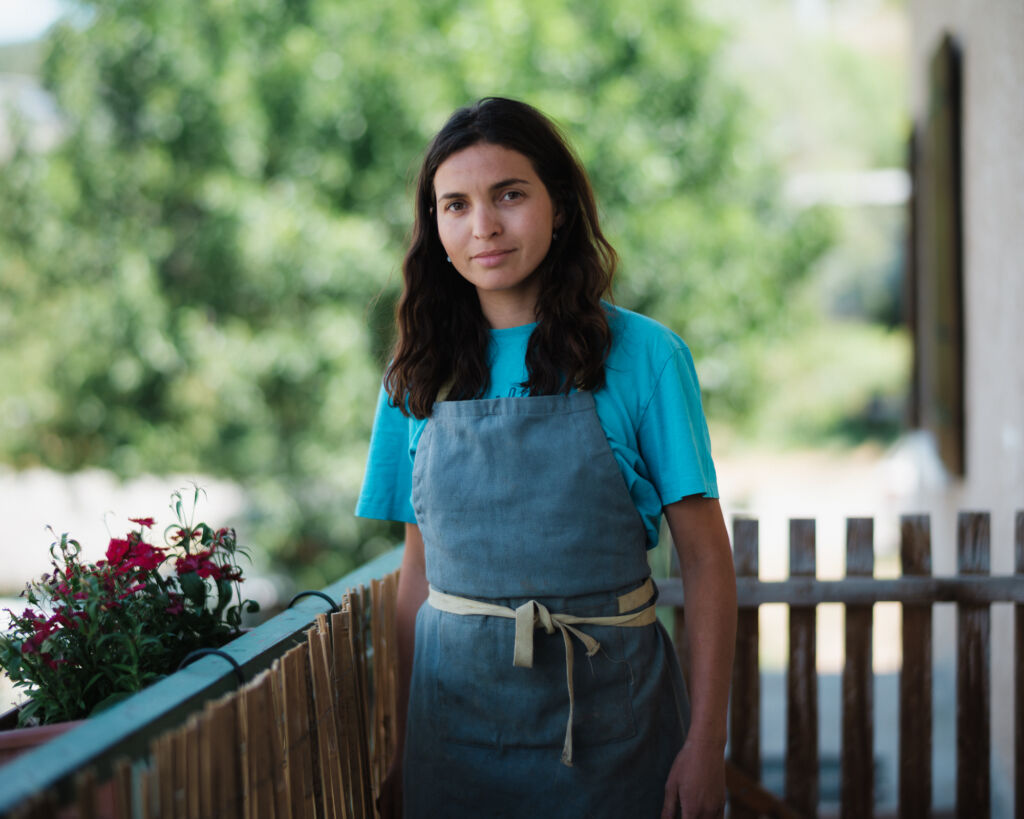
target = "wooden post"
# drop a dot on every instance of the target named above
(972, 675)
(1018, 673)
(857, 786)
(802, 681)
(915, 739)
(745, 712)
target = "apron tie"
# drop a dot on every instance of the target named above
(531, 615)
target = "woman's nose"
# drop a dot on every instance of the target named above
(486, 223)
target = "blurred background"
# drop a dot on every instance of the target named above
(203, 209)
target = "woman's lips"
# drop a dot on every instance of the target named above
(489, 258)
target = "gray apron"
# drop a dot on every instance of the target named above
(519, 500)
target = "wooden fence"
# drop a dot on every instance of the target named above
(309, 737)
(973, 591)
(312, 735)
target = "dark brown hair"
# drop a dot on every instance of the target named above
(442, 333)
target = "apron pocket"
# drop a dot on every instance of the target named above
(484, 700)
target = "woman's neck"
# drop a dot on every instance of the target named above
(504, 309)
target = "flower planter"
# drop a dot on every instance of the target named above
(15, 741)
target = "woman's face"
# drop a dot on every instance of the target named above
(495, 219)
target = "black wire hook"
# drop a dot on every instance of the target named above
(311, 593)
(199, 653)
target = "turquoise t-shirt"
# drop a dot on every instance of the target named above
(649, 408)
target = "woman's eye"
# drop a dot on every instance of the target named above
(512, 195)
(455, 206)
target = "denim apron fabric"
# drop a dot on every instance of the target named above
(521, 499)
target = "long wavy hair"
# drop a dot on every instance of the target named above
(442, 333)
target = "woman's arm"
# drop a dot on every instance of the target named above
(696, 783)
(412, 591)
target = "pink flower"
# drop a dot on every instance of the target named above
(145, 522)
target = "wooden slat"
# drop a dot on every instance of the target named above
(261, 744)
(387, 681)
(378, 659)
(857, 786)
(325, 720)
(85, 794)
(806, 591)
(123, 789)
(163, 769)
(1018, 672)
(802, 681)
(221, 751)
(350, 733)
(357, 605)
(181, 769)
(915, 737)
(745, 705)
(146, 794)
(209, 765)
(298, 759)
(972, 677)
(193, 768)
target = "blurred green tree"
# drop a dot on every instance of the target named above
(201, 277)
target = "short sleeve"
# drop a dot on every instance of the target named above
(387, 485)
(673, 433)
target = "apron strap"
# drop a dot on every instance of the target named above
(531, 615)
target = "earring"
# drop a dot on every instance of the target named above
(554, 235)
(449, 258)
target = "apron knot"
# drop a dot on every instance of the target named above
(532, 614)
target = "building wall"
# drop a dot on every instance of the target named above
(991, 37)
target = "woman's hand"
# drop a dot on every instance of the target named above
(696, 783)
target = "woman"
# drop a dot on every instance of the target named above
(531, 435)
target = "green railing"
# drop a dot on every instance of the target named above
(126, 730)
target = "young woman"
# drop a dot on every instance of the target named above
(531, 435)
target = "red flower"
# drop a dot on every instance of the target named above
(117, 550)
(146, 556)
(199, 563)
(177, 605)
(146, 522)
(229, 572)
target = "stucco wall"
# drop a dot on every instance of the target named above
(991, 36)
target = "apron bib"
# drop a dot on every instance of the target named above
(520, 500)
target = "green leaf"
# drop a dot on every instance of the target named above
(193, 588)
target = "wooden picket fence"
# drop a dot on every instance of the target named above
(309, 737)
(313, 734)
(973, 590)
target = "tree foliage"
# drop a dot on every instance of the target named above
(201, 276)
